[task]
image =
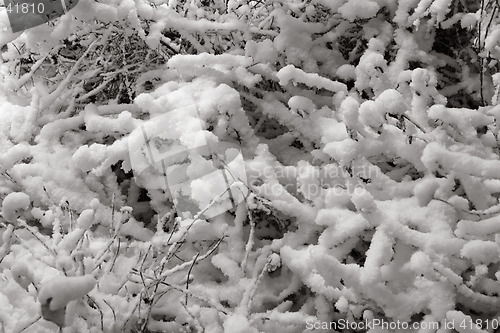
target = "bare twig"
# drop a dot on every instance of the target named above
(94, 303)
(213, 303)
(116, 255)
(189, 273)
(101, 256)
(112, 310)
(30, 324)
(250, 242)
(189, 263)
(481, 60)
(250, 292)
(199, 328)
(34, 233)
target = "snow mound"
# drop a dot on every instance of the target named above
(61, 290)
(14, 205)
(355, 9)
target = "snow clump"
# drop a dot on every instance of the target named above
(14, 205)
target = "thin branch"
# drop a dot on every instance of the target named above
(196, 321)
(30, 324)
(216, 305)
(250, 242)
(33, 232)
(189, 273)
(116, 255)
(249, 293)
(98, 309)
(189, 263)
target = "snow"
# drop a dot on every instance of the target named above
(392, 100)
(343, 151)
(491, 42)
(425, 189)
(238, 324)
(435, 154)
(363, 200)
(420, 262)
(301, 103)
(465, 119)
(479, 251)
(69, 242)
(354, 9)
(87, 158)
(349, 110)
(96, 123)
(483, 228)
(344, 155)
(295, 75)
(346, 72)
(14, 205)
(342, 304)
(135, 229)
(57, 292)
(228, 266)
(86, 219)
(477, 193)
(469, 20)
(294, 39)
(22, 274)
(274, 262)
(261, 52)
(440, 8)
(370, 72)
(371, 114)
(467, 323)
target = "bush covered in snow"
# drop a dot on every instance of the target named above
(367, 190)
